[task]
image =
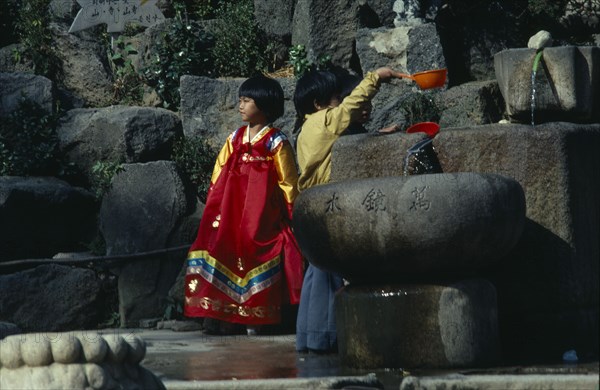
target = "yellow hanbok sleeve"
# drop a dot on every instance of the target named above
(287, 172)
(222, 158)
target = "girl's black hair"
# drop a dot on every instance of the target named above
(266, 93)
(315, 86)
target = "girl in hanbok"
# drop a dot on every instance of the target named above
(245, 263)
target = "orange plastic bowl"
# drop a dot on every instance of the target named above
(430, 78)
(429, 128)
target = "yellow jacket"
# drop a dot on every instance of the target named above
(322, 128)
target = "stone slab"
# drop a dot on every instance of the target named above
(332, 382)
(494, 382)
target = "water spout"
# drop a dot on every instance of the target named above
(419, 146)
(424, 155)
(536, 63)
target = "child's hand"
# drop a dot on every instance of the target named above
(390, 129)
(386, 74)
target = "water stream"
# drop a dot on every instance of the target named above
(536, 63)
(424, 157)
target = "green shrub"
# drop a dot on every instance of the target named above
(239, 49)
(173, 310)
(299, 61)
(8, 15)
(32, 27)
(28, 143)
(195, 158)
(97, 246)
(545, 15)
(108, 316)
(101, 176)
(198, 9)
(113, 320)
(547, 9)
(127, 85)
(183, 49)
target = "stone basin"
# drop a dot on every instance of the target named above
(567, 83)
(452, 324)
(394, 228)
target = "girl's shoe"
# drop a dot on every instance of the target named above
(229, 328)
(213, 326)
(252, 330)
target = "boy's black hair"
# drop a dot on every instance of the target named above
(315, 86)
(266, 93)
(319, 86)
(347, 84)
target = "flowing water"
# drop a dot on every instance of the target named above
(536, 62)
(423, 157)
(533, 73)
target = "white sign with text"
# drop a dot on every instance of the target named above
(116, 14)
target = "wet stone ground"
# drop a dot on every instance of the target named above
(194, 356)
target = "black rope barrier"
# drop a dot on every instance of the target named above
(89, 259)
